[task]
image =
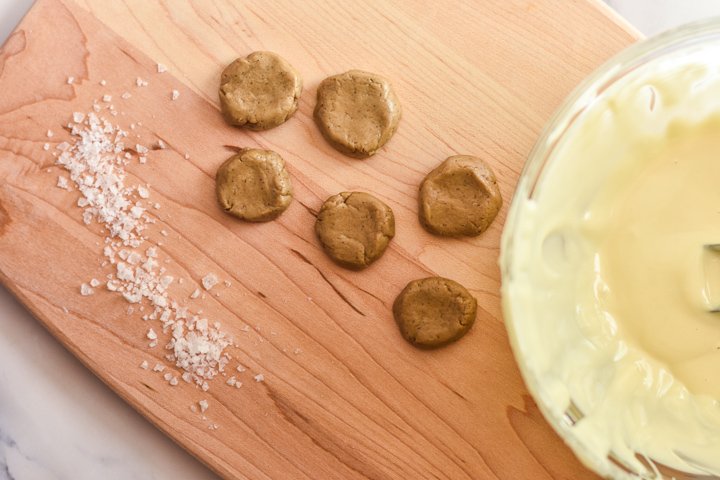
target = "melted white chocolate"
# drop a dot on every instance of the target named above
(607, 286)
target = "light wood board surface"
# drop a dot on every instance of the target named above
(344, 396)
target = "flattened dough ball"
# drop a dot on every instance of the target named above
(434, 311)
(357, 112)
(355, 228)
(254, 185)
(460, 197)
(259, 91)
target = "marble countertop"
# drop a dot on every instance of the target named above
(63, 423)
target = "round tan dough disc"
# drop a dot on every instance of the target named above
(259, 91)
(354, 228)
(254, 185)
(459, 197)
(357, 112)
(434, 311)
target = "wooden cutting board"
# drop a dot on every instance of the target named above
(344, 396)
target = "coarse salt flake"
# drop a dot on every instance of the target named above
(86, 290)
(203, 405)
(259, 377)
(161, 68)
(151, 335)
(144, 365)
(175, 95)
(209, 281)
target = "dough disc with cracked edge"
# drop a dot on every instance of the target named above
(259, 91)
(254, 185)
(357, 112)
(434, 311)
(459, 197)
(355, 228)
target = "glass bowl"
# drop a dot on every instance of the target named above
(698, 40)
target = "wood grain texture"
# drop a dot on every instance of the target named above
(357, 402)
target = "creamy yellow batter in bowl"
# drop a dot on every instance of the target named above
(608, 283)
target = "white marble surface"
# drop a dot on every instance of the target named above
(57, 421)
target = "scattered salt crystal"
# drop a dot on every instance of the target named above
(173, 381)
(187, 156)
(153, 344)
(159, 301)
(193, 408)
(62, 183)
(209, 281)
(151, 252)
(141, 149)
(161, 68)
(137, 211)
(168, 376)
(142, 160)
(64, 309)
(161, 145)
(227, 283)
(103, 82)
(143, 192)
(46, 147)
(187, 377)
(125, 95)
(157, 206)
(240, 368)
(70, 80)
(151, 335)
(175, 95)
(159, 367)
(107, 98)
(259, 377)
(94, 282)
(78, 117)
(144, 365)
(164, 233)
(231, 381)
(85, 290)
(297, 351)
(203, 405)
(140, 82)
(50, 133)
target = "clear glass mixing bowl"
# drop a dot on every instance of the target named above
(638, 56)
